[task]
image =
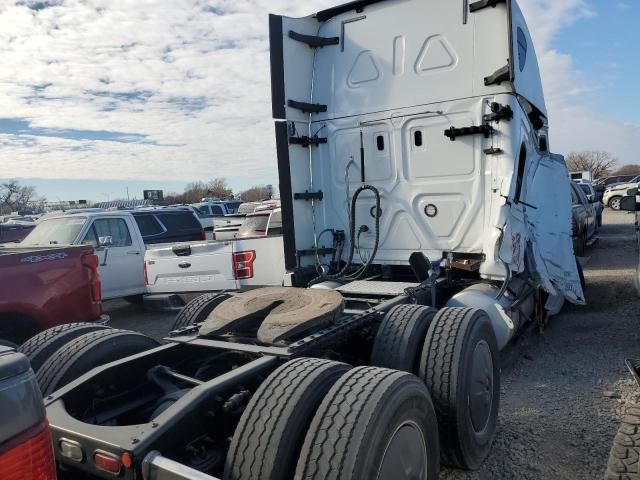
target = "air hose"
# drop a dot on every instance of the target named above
(352, 242)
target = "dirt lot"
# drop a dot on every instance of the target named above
(562, 391)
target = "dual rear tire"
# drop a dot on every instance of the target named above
(316, 419)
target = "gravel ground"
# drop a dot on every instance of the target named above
(563, 391)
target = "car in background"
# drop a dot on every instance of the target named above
(613, 194)
(168, 225)
(14, 232)
(584, 221)
(601, 184)
(592, 198)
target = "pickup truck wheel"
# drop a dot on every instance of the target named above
(267, 440)
(624, 458)
(87, 352)
(400, 338)
(198, 309)
(374, 423)
(460, 368)
(41, 346)
(614, 203)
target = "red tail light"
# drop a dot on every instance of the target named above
(30, 460)
(91, 262)
(243, 264)
(574, 225)
(146, 274)
(203, 234)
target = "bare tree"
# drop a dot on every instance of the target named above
(255, 193)
(219, 188)
(15, 197)
(633, 169)
(598, 162)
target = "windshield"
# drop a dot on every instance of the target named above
(254, 226)
(585, 188)
(56, 231)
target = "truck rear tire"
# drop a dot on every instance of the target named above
(374, 423)
(624, 458)
(41, 346)
(87, 352)
(198, 309)
(400, 338)
(267, 440)
(460, 368)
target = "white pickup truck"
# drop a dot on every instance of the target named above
(255, 258)
(120, 239)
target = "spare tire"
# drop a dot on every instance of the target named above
(87, 352)
(198, 309)
(41, 346)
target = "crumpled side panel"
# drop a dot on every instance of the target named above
(541, 225)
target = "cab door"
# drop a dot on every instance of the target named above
(122, 262)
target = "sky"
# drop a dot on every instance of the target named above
(97, 96)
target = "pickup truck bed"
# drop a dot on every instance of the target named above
(214, 266)
(47, 286)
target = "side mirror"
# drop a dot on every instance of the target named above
(106, 241)
(628, 204)
(590, 197)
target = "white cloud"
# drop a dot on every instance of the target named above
(190, 80)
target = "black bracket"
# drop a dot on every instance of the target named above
(313, 41)
(307, 107)
(499, 112)
(493, 151)
(501, 75)
(306, 141)
(454, 132)
(307, 195)
(475, 6)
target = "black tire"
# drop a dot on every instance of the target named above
(135, 299)
(41, 346)
(87, 352)
(267, 440)
(198, 309)
(624, 458)
(373, 420)
(400, 338)
(460, 363)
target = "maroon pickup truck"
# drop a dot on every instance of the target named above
(44, 287)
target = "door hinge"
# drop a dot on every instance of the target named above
(498, 112)
(306, 141)
(313, 41)
(475, 6)
(501, 75)
(454, 132)
(307, 107)
(307, 195)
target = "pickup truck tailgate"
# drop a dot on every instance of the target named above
(190, 267)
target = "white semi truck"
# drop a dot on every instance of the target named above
(425, 222)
